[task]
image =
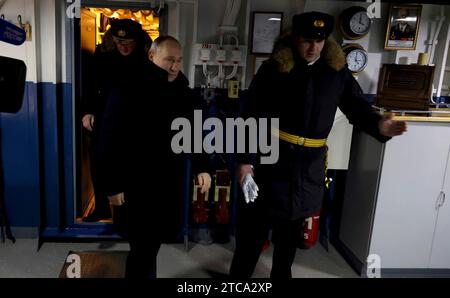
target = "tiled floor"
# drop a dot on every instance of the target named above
(23, 260)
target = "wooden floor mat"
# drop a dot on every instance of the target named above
(95, 264)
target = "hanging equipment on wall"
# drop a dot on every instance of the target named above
(10, 33)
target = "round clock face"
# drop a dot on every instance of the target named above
(357, 60)
(360, 23)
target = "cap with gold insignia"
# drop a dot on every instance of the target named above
(312, 25)
(125, 30)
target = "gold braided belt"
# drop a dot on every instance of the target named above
(296, 140)
(305, 142)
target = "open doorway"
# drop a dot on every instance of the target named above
(95, 22)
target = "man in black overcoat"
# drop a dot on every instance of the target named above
(303, 83)
(144, 177)
(124, 48)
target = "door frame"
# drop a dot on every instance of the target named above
(70, 134)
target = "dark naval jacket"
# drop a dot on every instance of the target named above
(305, 99)
(107, 69)
(135, 145)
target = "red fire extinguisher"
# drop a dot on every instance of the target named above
(199, 205)
(311, 230)
(222, 197)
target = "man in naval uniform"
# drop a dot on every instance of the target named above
(303, 83)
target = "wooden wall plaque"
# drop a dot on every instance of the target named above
(405, 87)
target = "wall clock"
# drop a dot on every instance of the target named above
(354, 22)
(356, 57)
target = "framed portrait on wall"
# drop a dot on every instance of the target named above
(266, 27)
(403, 27)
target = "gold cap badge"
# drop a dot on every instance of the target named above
(319, 23)
(121, 33)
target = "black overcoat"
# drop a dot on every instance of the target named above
(136, 153)
(305, 99)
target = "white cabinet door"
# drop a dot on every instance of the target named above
(440, 254)
(339, 141)
(410, 182)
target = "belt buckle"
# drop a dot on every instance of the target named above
(301, 141)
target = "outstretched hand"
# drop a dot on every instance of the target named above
(391, 128)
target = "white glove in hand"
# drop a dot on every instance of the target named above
(250, 189)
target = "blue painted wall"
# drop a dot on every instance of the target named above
(56, 143)
(20, 156)
(50, 152)
(37, 156)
